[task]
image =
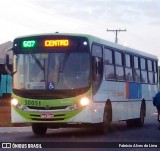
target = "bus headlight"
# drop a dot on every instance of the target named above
(14, 102)
(84, 101)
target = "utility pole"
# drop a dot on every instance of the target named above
(116, 31)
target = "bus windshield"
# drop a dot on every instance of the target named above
(52, 71)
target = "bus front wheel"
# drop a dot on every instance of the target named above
(107, 118)
(39, 129)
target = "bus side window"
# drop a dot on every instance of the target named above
(119, 66)
(150, 71)
(136, 69)
(128, 68)
(109, 66)
(144, 77)
(155, 72)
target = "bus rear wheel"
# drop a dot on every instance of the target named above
(138, 122)
(39, 129)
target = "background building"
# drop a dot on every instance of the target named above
(5, 79)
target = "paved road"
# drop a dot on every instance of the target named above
(70, 136)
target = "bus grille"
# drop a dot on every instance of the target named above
(47, 108)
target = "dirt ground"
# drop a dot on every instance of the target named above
(5, 111)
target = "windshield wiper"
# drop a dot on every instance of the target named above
(38, 62)
(63, 62)
(62, 65)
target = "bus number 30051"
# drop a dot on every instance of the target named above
(32, 103)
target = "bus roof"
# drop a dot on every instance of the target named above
(100, 41)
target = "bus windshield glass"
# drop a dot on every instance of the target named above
(52, 71)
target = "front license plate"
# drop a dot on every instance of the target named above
(47, 116)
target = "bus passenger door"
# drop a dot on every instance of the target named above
(97, 67)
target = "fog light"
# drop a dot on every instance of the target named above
(84, 101)
(14, 102)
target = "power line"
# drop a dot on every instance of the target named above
(116, 31)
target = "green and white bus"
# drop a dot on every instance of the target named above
(74, 80)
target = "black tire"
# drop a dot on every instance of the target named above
(130, 123)
(104, 127)
(39, 129)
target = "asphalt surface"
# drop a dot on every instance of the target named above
(15, 129)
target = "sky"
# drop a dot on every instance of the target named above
(141, 19)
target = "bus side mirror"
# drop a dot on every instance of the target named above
(7, 59)
(6, 63)
(97, 67)
(99, 64)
